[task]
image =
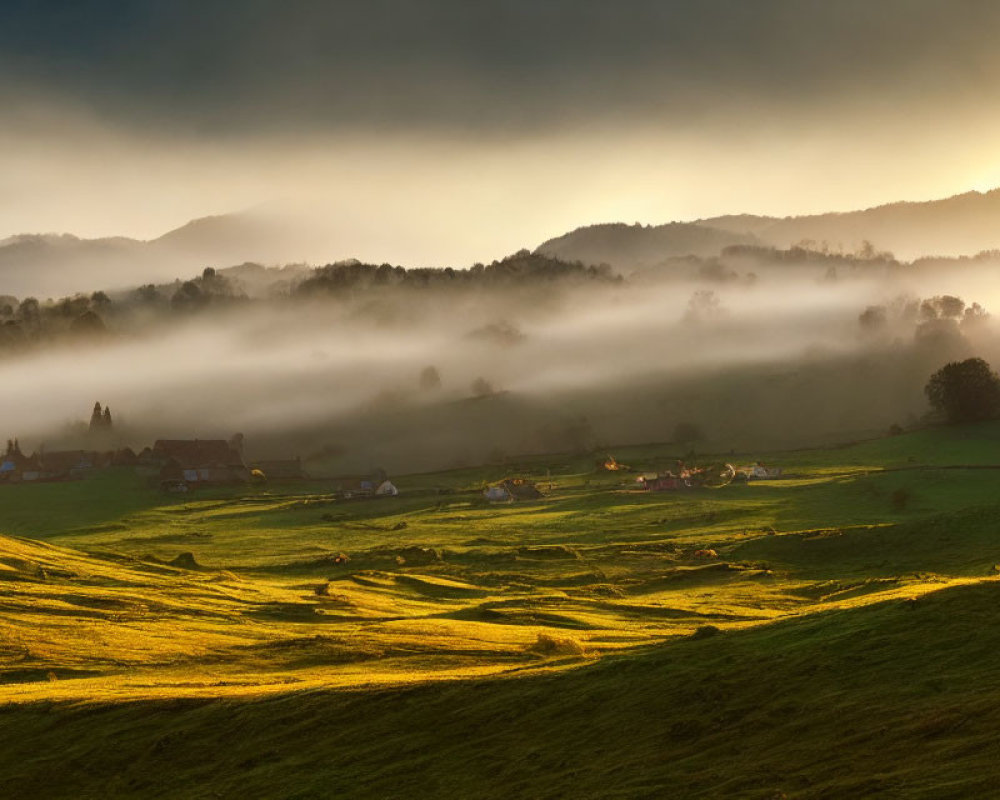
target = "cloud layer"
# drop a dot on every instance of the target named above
(448, 132)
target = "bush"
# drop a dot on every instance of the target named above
(965, 391)
(706, 632)
(548, 645)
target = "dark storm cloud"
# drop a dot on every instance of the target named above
(217, 66)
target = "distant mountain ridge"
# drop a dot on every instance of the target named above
(230, 237)
(638, 246)
(57, 264)
(963, 224)
(52, 265)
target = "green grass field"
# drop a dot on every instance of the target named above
(840, 643)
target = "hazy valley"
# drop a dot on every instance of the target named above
(499, 400)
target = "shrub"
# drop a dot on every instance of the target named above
(548, 645)
(705, 632)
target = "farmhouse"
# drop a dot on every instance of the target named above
(759, 472)
(66, 464)
(661, 483)
(375, 484)
(58, 465)
(200, 461)
(355, 486)
(512, 490)
(16, 466)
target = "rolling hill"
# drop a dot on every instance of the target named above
(635, 246)
(960, 225)
(839, 644)
(895, 700)
(52, 265)
(964, 224)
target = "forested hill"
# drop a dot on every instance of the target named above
(637, 246)
(53, 265)
(959, 225)
(964, 224)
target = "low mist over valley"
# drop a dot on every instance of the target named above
(607, 336)
(454, 400)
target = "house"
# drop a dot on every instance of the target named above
(363, 485)
(147, 464)
(66, 464)
(281, 469)
(124, 457)
(660, 483)
(386, 489)
(355, 486)
(758, 472)
(199, 461)
(512, 490)
(15, 466)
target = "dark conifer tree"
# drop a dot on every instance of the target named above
(96, 419)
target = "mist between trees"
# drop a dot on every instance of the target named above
(355, 364)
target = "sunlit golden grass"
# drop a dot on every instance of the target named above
(281, 595)
(445, 584)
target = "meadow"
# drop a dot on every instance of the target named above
(827, 634)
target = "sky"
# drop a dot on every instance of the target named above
(444, 133)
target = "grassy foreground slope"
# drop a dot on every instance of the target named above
(838, 641)
(898, 699)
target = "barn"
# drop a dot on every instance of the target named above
(511, 490)
(200, 461)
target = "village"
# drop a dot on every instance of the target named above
(179, 466)
(175, 465)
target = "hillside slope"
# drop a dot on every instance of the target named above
(49, 265)
(636, 247)
(828, 634)
(964, 224)
(897, 700)
(960, 225)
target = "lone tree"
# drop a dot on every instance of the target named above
(97, 418)
(965, 391)
(430, 379)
